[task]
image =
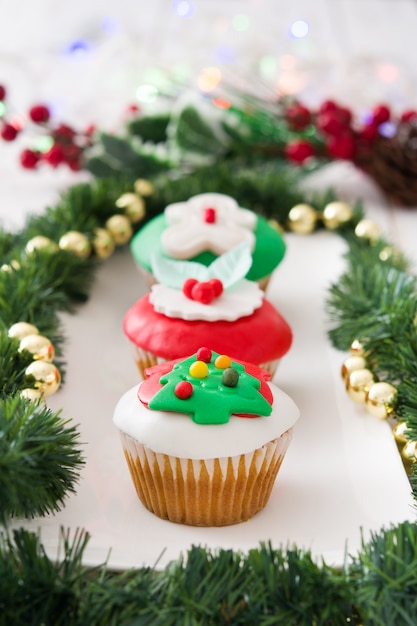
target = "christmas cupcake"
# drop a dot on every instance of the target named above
(193, 305)
(204, 227)
(204, 438)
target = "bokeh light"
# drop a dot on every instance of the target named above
(240, 22)
(387, 72)
(183, 8)
(110, 24)
(299, 29)
(2, 109)
(79, 48)
(146, 93)
(209, 78)
(268, 67)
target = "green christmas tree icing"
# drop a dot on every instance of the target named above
(211, 401)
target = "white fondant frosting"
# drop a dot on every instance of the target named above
(239, 301)
(177, 435)
(187, 234)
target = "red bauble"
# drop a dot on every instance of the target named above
(54, 156)
(29, 159)
(2, 93)
(381, 114)
(298, 151)
(342, 147)
(298, 116)
(39, 113)
(8, 132)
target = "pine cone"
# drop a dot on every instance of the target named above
(394, 164)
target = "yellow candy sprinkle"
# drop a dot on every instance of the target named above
(199, 369)
(223, 361)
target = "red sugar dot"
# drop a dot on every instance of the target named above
(204, 354)
(188, 287)
(203, 292)
(217, 285)
(209, 215)
(183, 390)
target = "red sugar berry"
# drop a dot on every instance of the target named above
(203, 292)
(39, 113)
(183, 389)
(188, 287)
(298, 151)
(2, 93)
(204, 354)
(29, 159)
(8, 132)
(298, 116)
(381, 114)
(217, 285)
(209, 215)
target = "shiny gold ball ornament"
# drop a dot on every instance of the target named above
(399, 432)
(31, 394)
(336, 214)
(133, 205)
(358, 383)
(351, 364)
(20, 330)
(356, 348)
(46, 375)
(144, 187)
(41, 243)
(39, 346)
(120, 228)
(302, 219)
(367, 229)
(380, 398)
(103, 243)
(76, 242)
(409, 451)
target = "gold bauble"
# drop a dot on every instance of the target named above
(356, 348)
(103, 243)
(120, 228)
(76, 242)
(39, 346)
(302, 219)
(336, 214)
(31, 394)
(46, 375)
(351, 364)
(21, 330)
(358, 383)
(389, 253)
(143, 187)
(41, 243)
(379, 399)
(133, 205)
(399, 431)
(367, 229)
(409, 451)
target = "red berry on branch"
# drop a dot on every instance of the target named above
(298, 151)
(2, 93)
(327, 106)
(39, 113)
(330, 123)
(381, 114)
(8, 132)
(342, 147)
(368, 132)
(345, 115)
(297, 116)
(408, 115)
(29, 159)
(63, 131)
(54, 156)
(75, 166)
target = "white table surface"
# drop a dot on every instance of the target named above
(342, 472)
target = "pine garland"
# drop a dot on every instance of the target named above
(40, 453)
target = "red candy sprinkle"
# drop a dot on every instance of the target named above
(183, 390)
(210, 215)
(204, 354)
(217, 285)
(203, 292)
(188, 287)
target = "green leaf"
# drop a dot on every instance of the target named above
(194, 134)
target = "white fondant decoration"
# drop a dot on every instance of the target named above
(187, 233)
(230, 267)
(239, 301)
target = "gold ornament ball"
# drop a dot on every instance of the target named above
(302, 219)
(336, 214)
(143, 187)
(120, 228)
(39, 346)
(379, 399)
(76, 242)
(356, 348)
(41, 243)
(103, 243)
(358, 383)
(399, 431)
(46, 375)
(31, 394)
(409, 451)
(21, 330)
(351, 364)
(367, 229)
(133, 205)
